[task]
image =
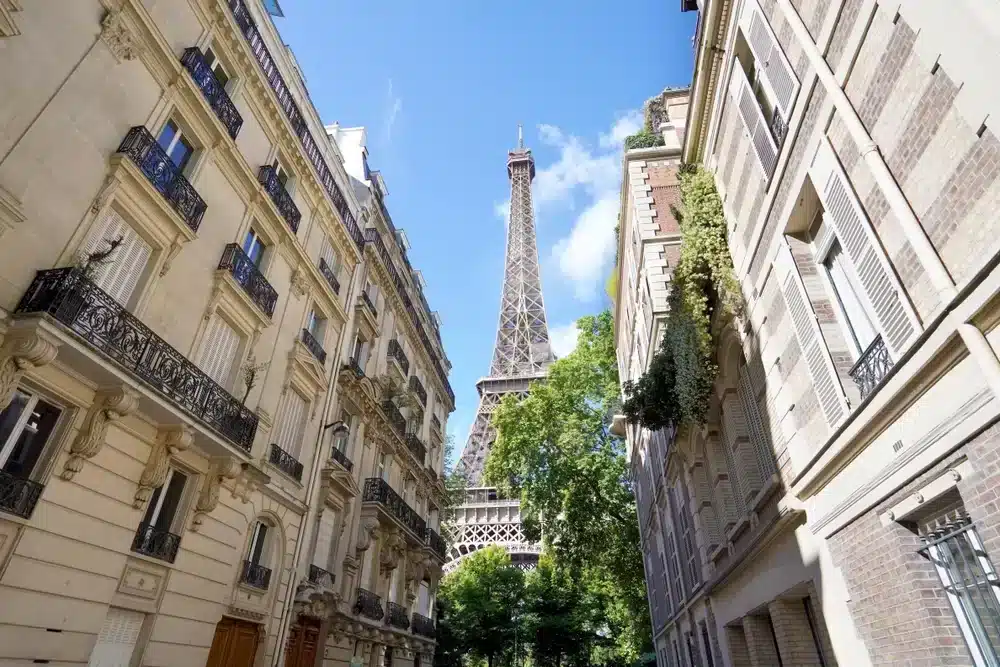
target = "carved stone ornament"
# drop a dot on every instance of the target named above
(300, 282)
(250, 479)
(417, 565)
(392, 550)
(109, 406)
(22, 352)
(118, 37)
(222, 468)
(366, 533)
(171, 440)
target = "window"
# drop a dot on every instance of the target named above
(294, 411)
(316, 325)
(325, 535)
(281, 173)
(360, 354)
(178, 148)
(848, 295)
(157, 536)
(219, 350)
(25, 427)
(254, 247)
(216, 66)
(341, 440)
(694, 658)
(255, 552)
(115, 256)
(329, 254)
(382, 468)
(371, 289)
(706, 643)
(117, 639)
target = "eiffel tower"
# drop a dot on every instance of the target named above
(521, 355)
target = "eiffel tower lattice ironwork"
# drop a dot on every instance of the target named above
(521, 355)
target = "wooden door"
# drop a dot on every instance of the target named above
(303, 643)
(234, 645)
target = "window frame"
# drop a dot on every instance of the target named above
(215, 63)
(20, 426)
(845, 321)
(252, 240)
(181, 134)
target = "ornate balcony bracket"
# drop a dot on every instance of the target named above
(109, 406)
(24, 349)
(221, 469)
(169, 442)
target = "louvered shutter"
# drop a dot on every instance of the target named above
(292, 420)
(117, 639)
(219, 350)
(324, 539)
(755, 426)
(746, 103)
(897, 320)
(775, 69)
(328, 253)
(824, 376)
(120, 273)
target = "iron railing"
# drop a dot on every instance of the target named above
(394, 416)
(395, 351)
(416, 446)
(331, 278)
(156, 543)
(436, 543)
(369, 605)
(249, 277)
(321, 577)
(369, 303)
(355, 367)
(313, 346)
(423, 626)
(18, 496)
(256, 575)
(418, 388)
(89, 312)
(142, 148)
(377, 490)
(268, 177)
(872, 366)
(398, 618)
(285, 462)
(341, 458)
(215, 94)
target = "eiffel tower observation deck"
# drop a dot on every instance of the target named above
(521, 355)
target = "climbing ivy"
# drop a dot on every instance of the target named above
(677, 385)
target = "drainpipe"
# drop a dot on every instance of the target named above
(974, 339)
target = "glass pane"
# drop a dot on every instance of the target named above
(253, 247)
(10, 416)
(31, 440)
(171, 500)
(257, 547)
(181, 153)
(154, 500)
(842, 276)
(167, 134)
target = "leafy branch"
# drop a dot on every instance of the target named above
(250, 373)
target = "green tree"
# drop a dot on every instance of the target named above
(481, 596)
(555, 450)
(560, 619)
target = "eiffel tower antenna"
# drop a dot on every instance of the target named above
(520, 137)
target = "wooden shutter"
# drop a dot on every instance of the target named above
(120, 273)
(774, 68)
(324, 539)
(218, 350)
(293, 416)
(117, 639)
(755, 426)
(887, 299)
(753, 120)
(824, 375)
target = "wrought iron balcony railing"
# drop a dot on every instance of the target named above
(355, 367)
(873, 365)
(285, 462)
(156, 543)
(436, 423)
(369, 605)
(423, 626)
(249, 277)
(418, 388)
(321, 577)
(369, 303)
(341, 458)
(256, 575)
(436, 543)
(214, 93)
(328, 274)
(18, 496)
(142, 148)
(398, 617)
(395, 351)
(268, 177)
(394, 416)
(89, 312)
(313, 346)
(416, 446)
(377, 490)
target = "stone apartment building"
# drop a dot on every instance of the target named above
(174, 218)
(839, 505)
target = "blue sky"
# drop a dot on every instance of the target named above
(442, 86)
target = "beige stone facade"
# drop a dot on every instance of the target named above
(839, 506)
(174, 215)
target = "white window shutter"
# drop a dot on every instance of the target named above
(117, 639)
(755, 426)
(324, 539)
(218, 351)
(292, 421)
(120, 274)
(753, 120)
(897, 320)
(824, 376)
(328, 253)
(771, 61)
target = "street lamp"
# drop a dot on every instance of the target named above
(341, 431)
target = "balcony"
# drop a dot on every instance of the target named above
(377, 490)
(341, 458)
(156, 543)
(355, 367)
(369, 605)
(328, 274)
(423, 626)
(394, 416)
(248, 276)
(268, 177)
(436, 543)
(89, 312)
(418, 388)
(142, 148)
(285, 462)
(313, 346)
(18, 496)
(321, 577)
(872, 367)
(395, 351)
(416, 446)
(398, 617)
(255, 575)
(214, 93)
(369, 303)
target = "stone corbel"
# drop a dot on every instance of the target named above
(170, 441)
(367, 532)
(222, 468)
(110, 405)
(22, 351)
(251, 478)
(11, 212)
(390, 553)
(300, 282)
(172, 252)
(118, 37)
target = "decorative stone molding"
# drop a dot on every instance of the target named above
(11, 214)
(22, 351)
(110, 405)
(367, 531)
(251, 478)
(418, 563)
(300, 282)
(8, 27)
(222, 468)
(118, 37)
(170, 441)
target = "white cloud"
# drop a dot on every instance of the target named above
(501, 209)
(563, 338)
(625, 126)
(395, 105)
